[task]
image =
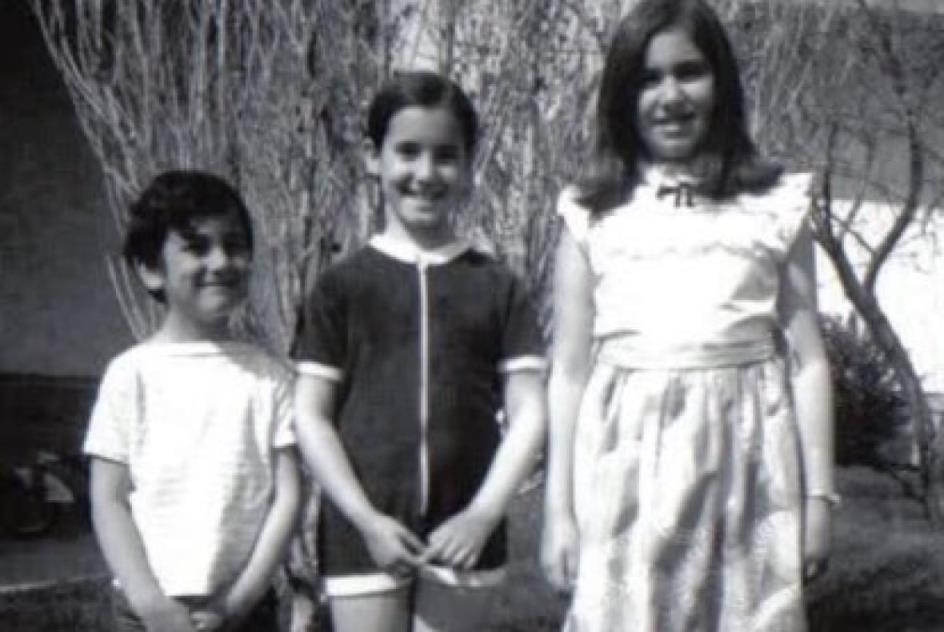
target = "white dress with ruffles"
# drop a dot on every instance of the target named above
(687, 472)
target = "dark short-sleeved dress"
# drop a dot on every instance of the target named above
(417, 343)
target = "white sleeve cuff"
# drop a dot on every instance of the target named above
(324, 371)
(523, 363)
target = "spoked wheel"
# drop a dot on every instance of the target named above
(24, 509)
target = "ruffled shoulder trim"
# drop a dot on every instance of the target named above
(792, 198)
(576, 217)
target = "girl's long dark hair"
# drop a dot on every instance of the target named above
(732, 162)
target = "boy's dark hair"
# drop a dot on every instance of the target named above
(733, 162)
(421, 89)
(172, 201)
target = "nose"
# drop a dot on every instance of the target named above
(425, 167)
(671, 91)
(218, 258)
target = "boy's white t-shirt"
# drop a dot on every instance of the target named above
(197, 424)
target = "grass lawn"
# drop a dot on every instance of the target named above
(886, 574)
(887, 568)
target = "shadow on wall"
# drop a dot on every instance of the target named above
(58, 315)
(43, 413)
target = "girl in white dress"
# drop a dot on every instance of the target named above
(690, 464)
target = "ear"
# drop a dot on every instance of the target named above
(151, 276)
(371, 157)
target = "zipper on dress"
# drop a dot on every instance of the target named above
(424, 386)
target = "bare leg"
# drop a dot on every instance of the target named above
(442, 608)
(387, 611)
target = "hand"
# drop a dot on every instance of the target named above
(206, 619)
(459, 541)
(392, 546)
(163, 614)
(559, 551)
(817, 535)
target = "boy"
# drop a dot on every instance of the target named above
(195, 484)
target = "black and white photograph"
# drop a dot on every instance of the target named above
(471, 315)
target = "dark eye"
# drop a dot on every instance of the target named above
(448, 153)
(408, 150)
(692, 71)
(649, 78)
(196, 245)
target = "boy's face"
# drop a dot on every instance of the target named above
(423, 169)
(203, 272)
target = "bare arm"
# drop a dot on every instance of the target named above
(273, 540)
(570, 366)
(459, 540)
(124, 551)
(812, 394)
(389, 542)
(524, 405)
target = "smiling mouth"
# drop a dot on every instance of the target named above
(221, 285)
(425, 196)
(674, 121)
(677, 129)
(425, 201)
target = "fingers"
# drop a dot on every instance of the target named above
(456, 543)
(404, 564)
(556, 577)
(560, 567)
(394, 548)
(815, 569)
(562, 574)
(412, 547)
(560, 556)
(453, 550)
(206, 623)
(570, 568)
(408, 554)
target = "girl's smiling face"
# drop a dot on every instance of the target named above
(676, 99)
(424, 171)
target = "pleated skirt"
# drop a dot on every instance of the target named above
(688, 501)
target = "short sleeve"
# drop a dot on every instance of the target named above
(319, 345)
(576, 217)
(522, 343)
(794, 199)
(116, 409)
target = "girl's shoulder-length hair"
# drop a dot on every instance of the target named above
(604, 190)
(729, 158)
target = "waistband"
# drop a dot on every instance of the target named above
(628, 352)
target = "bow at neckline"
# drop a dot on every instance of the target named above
(680, 189)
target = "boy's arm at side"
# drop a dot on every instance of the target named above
(459, 540)
(124, 552)
(273, 540)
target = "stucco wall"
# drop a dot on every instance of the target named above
(58, 315)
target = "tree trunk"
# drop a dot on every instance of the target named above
(866, 304)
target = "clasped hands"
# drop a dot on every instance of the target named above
(456, 543)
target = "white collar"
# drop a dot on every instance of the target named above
(410, 253)
(656, 175)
